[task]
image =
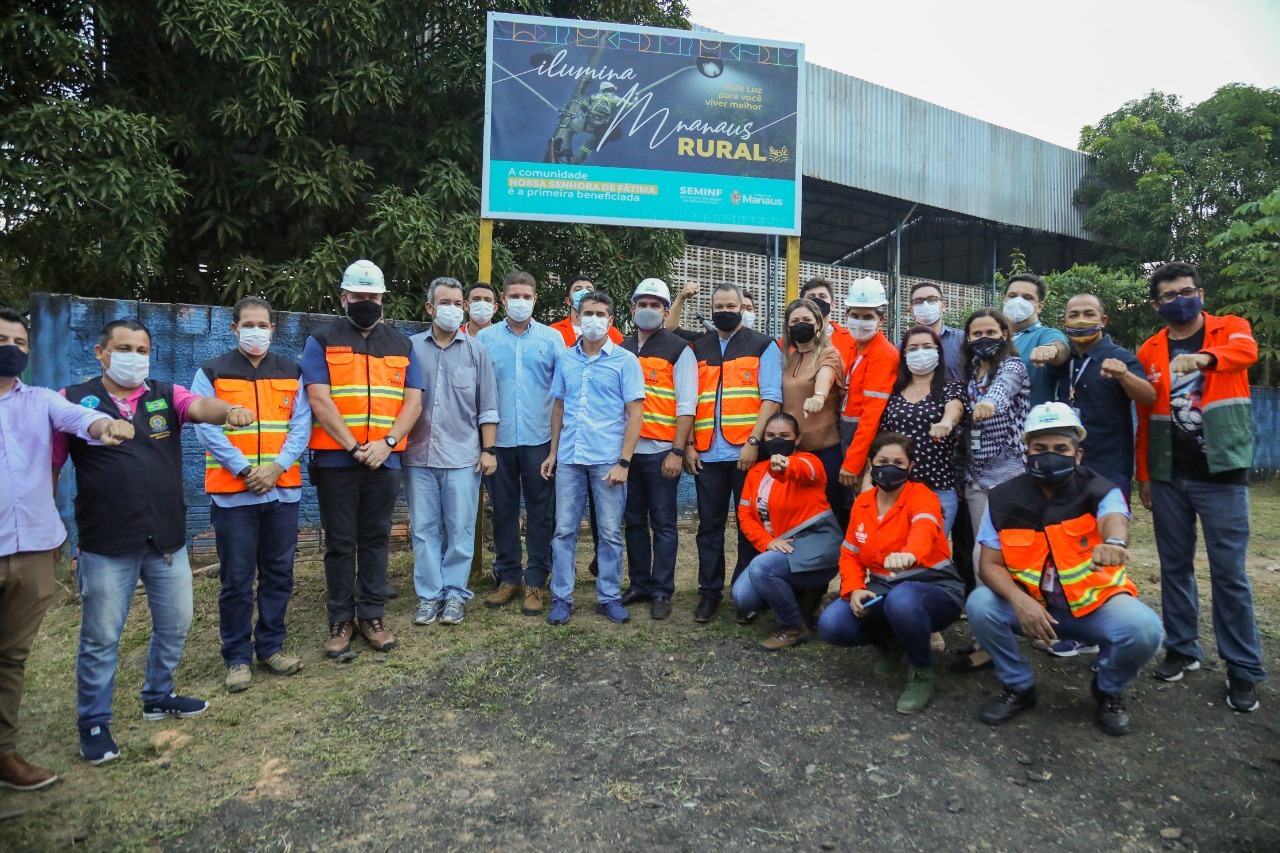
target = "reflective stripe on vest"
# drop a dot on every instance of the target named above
(737, 384)
(659, 399)
(368, 392)
(1084, 585)
(271, 401)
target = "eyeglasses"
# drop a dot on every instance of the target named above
(1185, 293)
(920, 347)
(925, 300)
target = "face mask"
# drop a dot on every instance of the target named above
(927, 313)
(922, 362)
(823, 305)
(1052, 469)
(365, 314)
(1018, 310)
(481, 312)
(778, 447)
(448, 317)
(1181, 310)
(889, 477)
(594, 328)
(648, 319)
(985, 349)
(519, 309)
(577, 298)
(1083, 332)
(726, 321)
(802, 333)
(12, 360)
(749, 319)
(863, 330)
(129, 369)
(254, 340)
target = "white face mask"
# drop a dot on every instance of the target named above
(594, 328)
(927, 313)
(448, 317)
(863, 330)
(519, 310)
(129, 369)
(648, 319)
(481, 312)
(922, 362)
(255, 340)
(749, 319)
(1018, 310)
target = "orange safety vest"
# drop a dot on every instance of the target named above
(366, 380)
(1063, 527)
(268, 391)
(565, 328)
(734, 379)
(658, 359)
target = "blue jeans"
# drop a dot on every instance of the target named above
(1224, 515)
(257, 541)
(1125, 630)
(911, 612)
(519, 473)
(769, 584)
(106, 587)
(950, 504)
(442, 513)
(572, 483)
(650, 516)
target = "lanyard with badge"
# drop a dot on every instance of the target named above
(1075, 379)
(975, 397)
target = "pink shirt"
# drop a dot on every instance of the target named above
(182, 400)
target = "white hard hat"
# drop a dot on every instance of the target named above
(1052, 418)
(363, 277)
(606, 86)
(653, 287)
(866, 293)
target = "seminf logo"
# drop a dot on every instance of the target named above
(736, 198)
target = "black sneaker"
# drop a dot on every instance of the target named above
(746, 617)
(594, 568)
(1174, 665)
(1007, 705)
(1242, 695)
(706, 609)
(97, 746)
(1111, 717)
(173, 705)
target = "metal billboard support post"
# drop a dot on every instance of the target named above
(793, 268)
(484, 272)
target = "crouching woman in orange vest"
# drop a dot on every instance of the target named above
(1054, 544)
(784, 513)
(897, 582)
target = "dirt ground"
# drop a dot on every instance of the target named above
(505, 733)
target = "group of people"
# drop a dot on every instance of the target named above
(984, 468)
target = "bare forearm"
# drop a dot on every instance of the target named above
(208, 410)
(768, 409)
(635, 421)
(1139, 390)
(488, 435)
(557, 424)
(826, 378)
(1114, 525)
(684, 429)
(995, 575)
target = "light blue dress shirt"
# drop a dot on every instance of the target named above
(595, 392)
(229, 457)
(770, 389)
(524, 366)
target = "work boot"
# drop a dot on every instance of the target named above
(706, 609)
(785, 637)
(533, 600)
(919, 690)
(506, 593)
(239, 677)
(21, 775)
(659, 607)
(889, 662)
(282, 664)
(377, 634)
(339, 642)
(1111, 716)
(1007, 705)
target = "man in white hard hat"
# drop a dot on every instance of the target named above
(869, 379)
(1054, 545)
(365, 390)
(670, 372)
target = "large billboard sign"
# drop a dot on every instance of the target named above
(623, 125)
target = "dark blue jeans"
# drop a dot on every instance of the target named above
(259, 542)
(650, 519)
(769, 584)
(911, 612)
(519, 473)
(719, 489)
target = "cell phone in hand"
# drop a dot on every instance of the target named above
(878, 601)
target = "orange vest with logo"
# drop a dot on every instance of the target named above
(658, 359)
(366, 380)
(269, 391)
(734, 378)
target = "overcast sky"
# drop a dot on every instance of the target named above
(1046, 69)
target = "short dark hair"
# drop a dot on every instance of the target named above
(109, 330)
(580, 277)
(1031, 277)
(252, 302)
(818, 282)
(597, 296)
(9, 315)
(920, 284)
(789, 418)
(447, 282)
(885, 439)
(938, 385)
(726, 286)
(1171, 272)
(518, 277)
(482, 285)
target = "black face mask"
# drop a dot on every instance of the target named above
(889, 477)
(778, 447)
(364, 314)
(985, 349)
(726, 321)
(12, 360)
(1052, 469)
(823, 305)
(802, 333)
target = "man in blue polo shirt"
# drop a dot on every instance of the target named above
(1042, 348)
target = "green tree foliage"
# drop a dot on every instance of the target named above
(1168, 176)
(1251, 251)
(200, 150)
(1125, 300)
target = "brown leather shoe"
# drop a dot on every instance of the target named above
(377, 634)
(786, 637)
(20, 775)
(339, 642)
(533, 600)
(507, 593)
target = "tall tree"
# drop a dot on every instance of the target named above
(1251, 251)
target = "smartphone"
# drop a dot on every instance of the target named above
(867, 605)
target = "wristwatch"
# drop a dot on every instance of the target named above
(490, 450)
(753, 441)
(679, 453)
(391, 442)
(245, 472)
(1119, 543)
(624, 463)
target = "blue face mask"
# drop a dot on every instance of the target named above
(1184, 309)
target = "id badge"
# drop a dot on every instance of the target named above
(975, 439)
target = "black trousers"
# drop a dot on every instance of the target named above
(963, 538)
(719, 489)
(519, 472)
(355, 508)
